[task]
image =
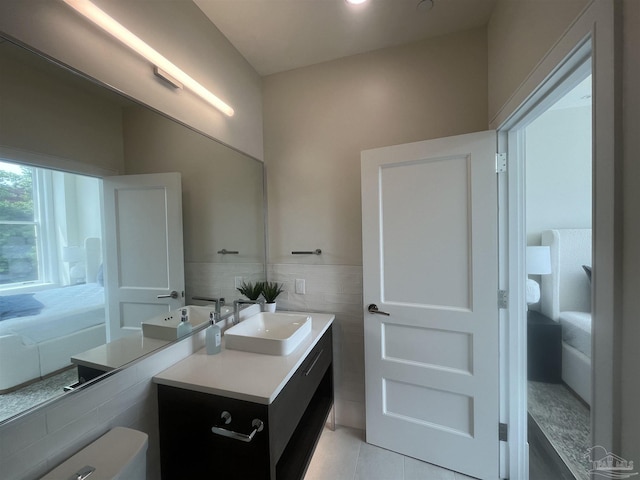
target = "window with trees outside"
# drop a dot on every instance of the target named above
(21, 232)
(45, 217)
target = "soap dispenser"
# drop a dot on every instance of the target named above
(213, 336)
(184, 328)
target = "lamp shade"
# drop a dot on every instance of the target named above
(538, 260)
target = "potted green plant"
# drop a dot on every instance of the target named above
(250, 290)
(270, 291)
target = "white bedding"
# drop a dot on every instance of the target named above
(66, 310)
(64, 321)
(576, 330)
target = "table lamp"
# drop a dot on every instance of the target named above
(538, 263)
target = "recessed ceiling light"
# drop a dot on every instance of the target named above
(425, 5)
(355, 2)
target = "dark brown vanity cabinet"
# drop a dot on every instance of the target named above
(292, 424)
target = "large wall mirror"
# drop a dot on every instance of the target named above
(60, 135)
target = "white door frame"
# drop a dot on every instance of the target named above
(592, 33)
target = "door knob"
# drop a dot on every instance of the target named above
(373, 308)
(173, 294)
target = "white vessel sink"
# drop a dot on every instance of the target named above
(165, 327)
(269, 333)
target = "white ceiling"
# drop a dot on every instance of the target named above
(280, 35)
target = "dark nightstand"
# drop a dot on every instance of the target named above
(544, 348)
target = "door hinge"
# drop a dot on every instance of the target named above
(502, 432)
(501, 162)
(503, 299)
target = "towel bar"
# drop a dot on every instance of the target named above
(256, 424)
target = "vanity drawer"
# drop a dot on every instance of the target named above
(289, 406)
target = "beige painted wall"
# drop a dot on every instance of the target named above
(520, 33)
(222, 198)
(630, 381)
(48, 119)
(178, 30)
(319, 118)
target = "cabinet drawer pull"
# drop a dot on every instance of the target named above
(313, 364)
(257, 425)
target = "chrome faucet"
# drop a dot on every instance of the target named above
(218, 302)
(236, 308)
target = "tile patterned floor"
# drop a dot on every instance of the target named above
(343, 455)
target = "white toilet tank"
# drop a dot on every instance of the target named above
(119, 454)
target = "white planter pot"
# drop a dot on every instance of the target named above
(270, 307)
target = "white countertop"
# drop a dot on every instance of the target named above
(133, 346)
(119, 352)
(243, 375)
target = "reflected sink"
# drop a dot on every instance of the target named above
(269, 333)
(165, 327)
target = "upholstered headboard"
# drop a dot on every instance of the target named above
(567, 288)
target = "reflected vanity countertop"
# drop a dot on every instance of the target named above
(119, 352)
(253, 377)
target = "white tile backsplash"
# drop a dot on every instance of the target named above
(218, 279)
(123, 401)
(67, 412)
(23, 432)
(29, 462)
(61, 442)
(333, 289)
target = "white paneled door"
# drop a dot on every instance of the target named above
(430, 253)
(144, 257)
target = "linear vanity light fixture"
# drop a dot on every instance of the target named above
(111, 26)
(167, 78)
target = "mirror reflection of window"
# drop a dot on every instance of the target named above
(52, 301)
(21, 258)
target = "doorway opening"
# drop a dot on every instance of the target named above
(558, 184)
(566, 67)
